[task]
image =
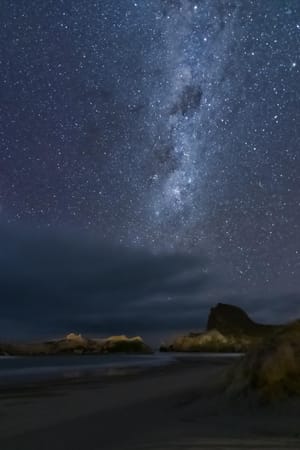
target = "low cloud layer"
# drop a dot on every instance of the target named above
(54, 283)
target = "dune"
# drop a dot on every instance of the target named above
(271, 371)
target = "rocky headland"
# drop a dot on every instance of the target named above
(228, 329)
(77, 344)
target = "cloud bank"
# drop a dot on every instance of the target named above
(54, 283)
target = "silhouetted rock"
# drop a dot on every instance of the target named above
(229, 329)
(272, 370)
(232, 320)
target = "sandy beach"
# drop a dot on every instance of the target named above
(175, 407)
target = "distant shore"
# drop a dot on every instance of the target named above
(177, 406)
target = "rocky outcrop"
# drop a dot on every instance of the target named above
(122, 343)
(77, 344)
(272, 370)
(234, 321)
(229, 329)
(73, 337)
(210, 341)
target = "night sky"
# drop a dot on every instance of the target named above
(166, 128)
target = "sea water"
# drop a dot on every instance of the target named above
(14, 369)
(21, 369)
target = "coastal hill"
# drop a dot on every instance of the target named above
(271, 371)
(229, 329)
(77, 344)
(234, 321)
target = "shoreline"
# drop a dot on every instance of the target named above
(109, 367)
(165, 408)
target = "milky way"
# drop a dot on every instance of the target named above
(188, 111)
(170, 125)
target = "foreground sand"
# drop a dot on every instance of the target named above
(178, 407)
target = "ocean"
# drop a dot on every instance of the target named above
(20, 369)
(30, 369)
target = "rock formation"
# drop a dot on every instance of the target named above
(124, 344)
(212, 340)
(232, 320)
(73, 337)
(229, 329)
(77, 344)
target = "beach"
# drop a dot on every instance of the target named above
(179, 406)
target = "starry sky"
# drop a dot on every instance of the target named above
(161, 126)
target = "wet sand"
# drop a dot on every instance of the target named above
(178, 407)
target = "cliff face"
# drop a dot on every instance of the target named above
(77, 344)
(232, 320)
(229, 329)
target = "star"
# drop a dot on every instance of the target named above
(169, 125)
